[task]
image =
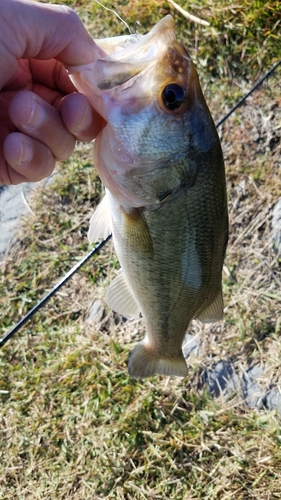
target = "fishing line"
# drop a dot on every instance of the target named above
(116, 14)
(100, 245)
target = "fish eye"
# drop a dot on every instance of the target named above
(173, 96)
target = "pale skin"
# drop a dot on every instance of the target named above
(41, 113)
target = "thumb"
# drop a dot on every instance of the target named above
(30, 29)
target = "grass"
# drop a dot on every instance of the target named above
(73, 424)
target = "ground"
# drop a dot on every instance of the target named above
(73, 424)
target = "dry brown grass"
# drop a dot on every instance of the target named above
(73, 424)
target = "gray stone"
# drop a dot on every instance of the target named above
(13, 204)
(220, 378)
(190, 344)
(252, 392)
(272, 400)
(96, 312)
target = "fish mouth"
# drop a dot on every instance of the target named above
(154, 67)
(132, 52)
(142, 48)
(128, 60)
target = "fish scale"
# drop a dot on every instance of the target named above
(160, 159)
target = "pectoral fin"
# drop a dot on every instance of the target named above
(100, 223)
(143, 363)
(214, 312)
(120, 298)
(136, 232)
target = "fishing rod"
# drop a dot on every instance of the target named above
(96, 249)
(248, 93)
(54, 290)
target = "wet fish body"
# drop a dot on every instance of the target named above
(160, 159)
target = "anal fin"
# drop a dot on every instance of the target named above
(120, 298)
(143, 364)
(214, 312)
(100, 223)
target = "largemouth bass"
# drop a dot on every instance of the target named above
(160, 159)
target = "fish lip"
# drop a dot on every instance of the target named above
(143, 52)
(164, 28)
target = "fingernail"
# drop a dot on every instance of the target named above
(86, 120)
(36, 115)
(26, 152)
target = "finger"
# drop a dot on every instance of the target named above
(46, 32)
(80, 118)
(8, 175)
(39, 120)
(51, 74)
(27, 159)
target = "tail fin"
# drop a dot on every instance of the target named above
(144, 364)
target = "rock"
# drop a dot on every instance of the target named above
(190, 344)
(13, 204)
(221, 378)
(96, 312)
(273, 401)
(253, 393)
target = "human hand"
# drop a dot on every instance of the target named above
(41, 114)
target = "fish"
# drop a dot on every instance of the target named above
(160, 160)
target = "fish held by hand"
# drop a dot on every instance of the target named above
(160, 159)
